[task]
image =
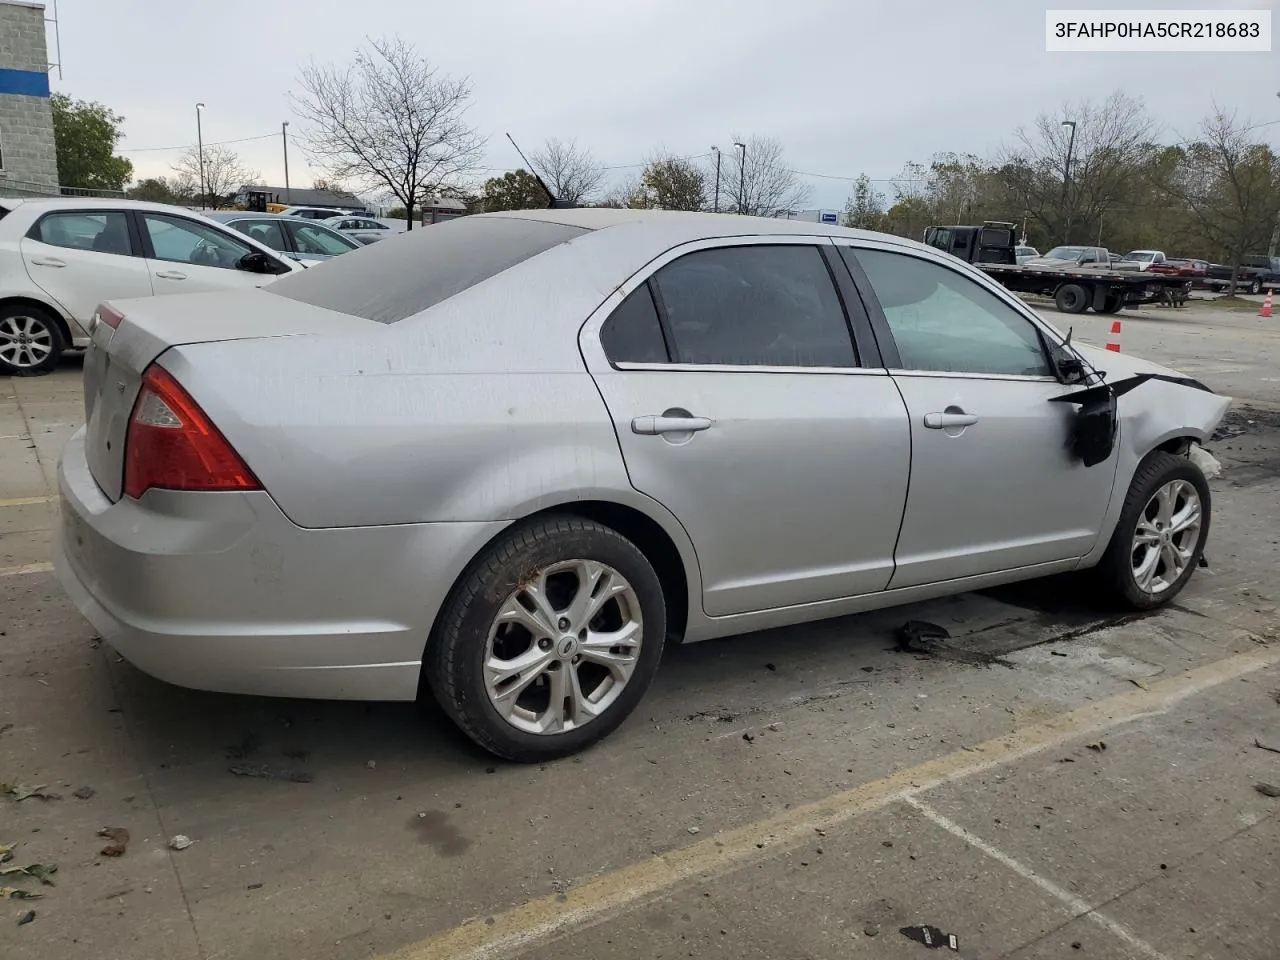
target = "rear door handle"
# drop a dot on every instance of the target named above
(941, 421)
(653, 425)
(48, 262)
(170, 275)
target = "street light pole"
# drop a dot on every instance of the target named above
(284, 139)
(717, 201)
(742, 174)
(1066, 180)
(200, 153)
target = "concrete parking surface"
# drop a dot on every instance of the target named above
(1056, 781)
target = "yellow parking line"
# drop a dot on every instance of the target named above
(517, 929)
(44, 567)
(24, 501)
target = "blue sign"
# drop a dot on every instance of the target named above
(830, 217)
(26, 83)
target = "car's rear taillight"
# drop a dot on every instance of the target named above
(171, 444)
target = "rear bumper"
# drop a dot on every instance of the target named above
(222, 592)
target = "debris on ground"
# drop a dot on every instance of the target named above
(1267, 789)
(931, 936)
(84, 793)
(37, 871)
(264, 772)
(1096, 747)
(6, 851)
(248, 744)
(920, 636)
(13, 893)
(371, 764)
(180, 842)
(20, 791)
(119, 838)
(1265, 746)
(4, 727)
(871, 929)
(26, 918)
(694, 830)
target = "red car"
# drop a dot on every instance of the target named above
(1191, 269)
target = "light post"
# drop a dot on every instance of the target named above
(742, 173)
(284, 139)
(1066, 179)
(200, 153)
(717, 200)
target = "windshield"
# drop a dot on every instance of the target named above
(1067, 253)
(1144, 256)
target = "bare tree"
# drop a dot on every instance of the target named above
(572, 174)
(761, 184)
(388, 121)
(223, 176)
(1230, 185)
(1114, 142)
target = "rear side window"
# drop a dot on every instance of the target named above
(633, 333)
(423, 268)
(99, 232)
(264, 231)
(755, 306)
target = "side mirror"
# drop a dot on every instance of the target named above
(1070, 368)
(257, 262)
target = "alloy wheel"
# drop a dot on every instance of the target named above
(562, 647)
(25, 341)
(1165, 538)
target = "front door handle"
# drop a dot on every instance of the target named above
(651, 426)
(170, 275)
(48, 262)
(941, 421)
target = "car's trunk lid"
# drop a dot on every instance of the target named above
(118, 355)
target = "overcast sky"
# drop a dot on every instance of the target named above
(848, 86)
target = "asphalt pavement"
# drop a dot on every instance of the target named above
(1057, 780)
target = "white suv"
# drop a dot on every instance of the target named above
(60, 258)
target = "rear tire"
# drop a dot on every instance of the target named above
(1144, 567)
(1113, 303)
(529, 666)
(31, 340)
(1255, 286)
(1072, 298)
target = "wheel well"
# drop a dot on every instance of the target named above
(653, 542)
(1177, 445)
(58, 318)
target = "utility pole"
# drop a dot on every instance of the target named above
(717, 201)
(200, 154)
(742, 176)
(284, 139)
(1066, 180)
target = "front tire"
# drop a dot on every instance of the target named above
(31, 341)
(549, 640)
(1160, 536)
(1255, 286)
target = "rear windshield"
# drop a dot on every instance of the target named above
(390, 281)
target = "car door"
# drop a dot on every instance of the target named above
(993, 486)
(187, 256)
(82, 257)
(742, 406)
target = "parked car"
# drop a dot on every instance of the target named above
(365, 229)
(1140, 260)
(1070, 256)
(1023, 254)
(453, 466)
(307, 241)
(318, 213)
(1180, 267)
(1254, 273)
(59, 258)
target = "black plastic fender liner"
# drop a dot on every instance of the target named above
(1093, 435)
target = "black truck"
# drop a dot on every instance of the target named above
(1254, 274)
(1074, 285)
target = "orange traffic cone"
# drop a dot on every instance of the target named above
(1113, 341)
(1266, 306)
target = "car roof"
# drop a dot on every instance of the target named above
(85, 203)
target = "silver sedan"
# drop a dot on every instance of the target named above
(502, 461)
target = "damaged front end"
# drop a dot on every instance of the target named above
(1147, 404)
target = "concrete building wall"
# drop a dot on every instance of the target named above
(28, 159)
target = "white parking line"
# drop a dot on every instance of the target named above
(24, 501)
(19, 570)
(1078, 907)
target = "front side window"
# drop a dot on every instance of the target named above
(99, 232)
(266, 232)
(318, 241)
(185, 241)
(766, 305)
(943, 321)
